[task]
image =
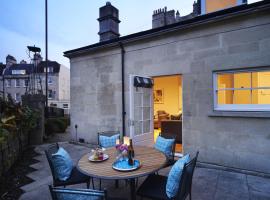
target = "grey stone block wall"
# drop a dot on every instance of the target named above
(195, 53)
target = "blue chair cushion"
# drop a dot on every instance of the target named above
(62, 164)
(108, 141)
(164, 145)
(174, 176)
(78, 194)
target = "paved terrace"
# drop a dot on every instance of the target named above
(208, 184)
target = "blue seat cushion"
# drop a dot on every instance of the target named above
(62, 164)
(164, 145)
(108, 141)
(174, 176)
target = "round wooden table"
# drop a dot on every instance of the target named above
(151, 161)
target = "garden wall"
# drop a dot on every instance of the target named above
(11, 149)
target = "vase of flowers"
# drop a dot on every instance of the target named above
(121, 151)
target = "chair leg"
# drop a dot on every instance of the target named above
(88, 184)
(116, 183)
(99, 184)
(92, 179)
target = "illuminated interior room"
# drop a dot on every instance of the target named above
(167, 97)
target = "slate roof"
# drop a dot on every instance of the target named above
(29, 68)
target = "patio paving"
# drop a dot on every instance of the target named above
(208, 184)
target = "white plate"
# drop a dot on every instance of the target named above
(105, 157)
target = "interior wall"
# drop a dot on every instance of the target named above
(171, 87)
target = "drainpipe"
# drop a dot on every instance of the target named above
(123, 88)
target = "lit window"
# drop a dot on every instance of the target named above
(242, 90)
(17, 83)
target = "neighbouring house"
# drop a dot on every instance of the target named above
(16, 78)
(205, 79)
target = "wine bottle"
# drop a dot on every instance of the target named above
(131, 148)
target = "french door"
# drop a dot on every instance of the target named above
(141, 113)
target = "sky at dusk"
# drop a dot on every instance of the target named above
(72, 24)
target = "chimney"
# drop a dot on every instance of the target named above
(162, 17)
(197, 8)
(10, 60)
(23, 62)
(108, 22)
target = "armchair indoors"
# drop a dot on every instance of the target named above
(160, 116)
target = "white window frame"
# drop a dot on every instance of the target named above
(65, 105)
(17, 97)
(8, 83)
(18, 82)
(50, 81)
(238, 107)
(49, 69)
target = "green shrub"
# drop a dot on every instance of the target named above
(56, 125)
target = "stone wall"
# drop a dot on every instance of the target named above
(11, 149)
(236, 141)
(95, 95)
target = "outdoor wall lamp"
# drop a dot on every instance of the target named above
(76, 127)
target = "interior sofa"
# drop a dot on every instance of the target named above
(172, 128)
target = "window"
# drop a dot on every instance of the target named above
(51, 94)
(50, 80)
(242, 90)
(8, 83)
(53, 105)
(18, 72)
(25, 83)
(50, 69)
(17, 97)
(65, 105)
(17, 83)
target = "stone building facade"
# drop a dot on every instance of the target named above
(15, 79)
(233, 39)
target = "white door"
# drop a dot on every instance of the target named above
(141, 114)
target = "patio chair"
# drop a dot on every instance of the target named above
(171, 157)
(82, 194)
(107, 134)
(154, 187)
(76, 176)
(110, 144)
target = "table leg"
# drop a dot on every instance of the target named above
(132, 189)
